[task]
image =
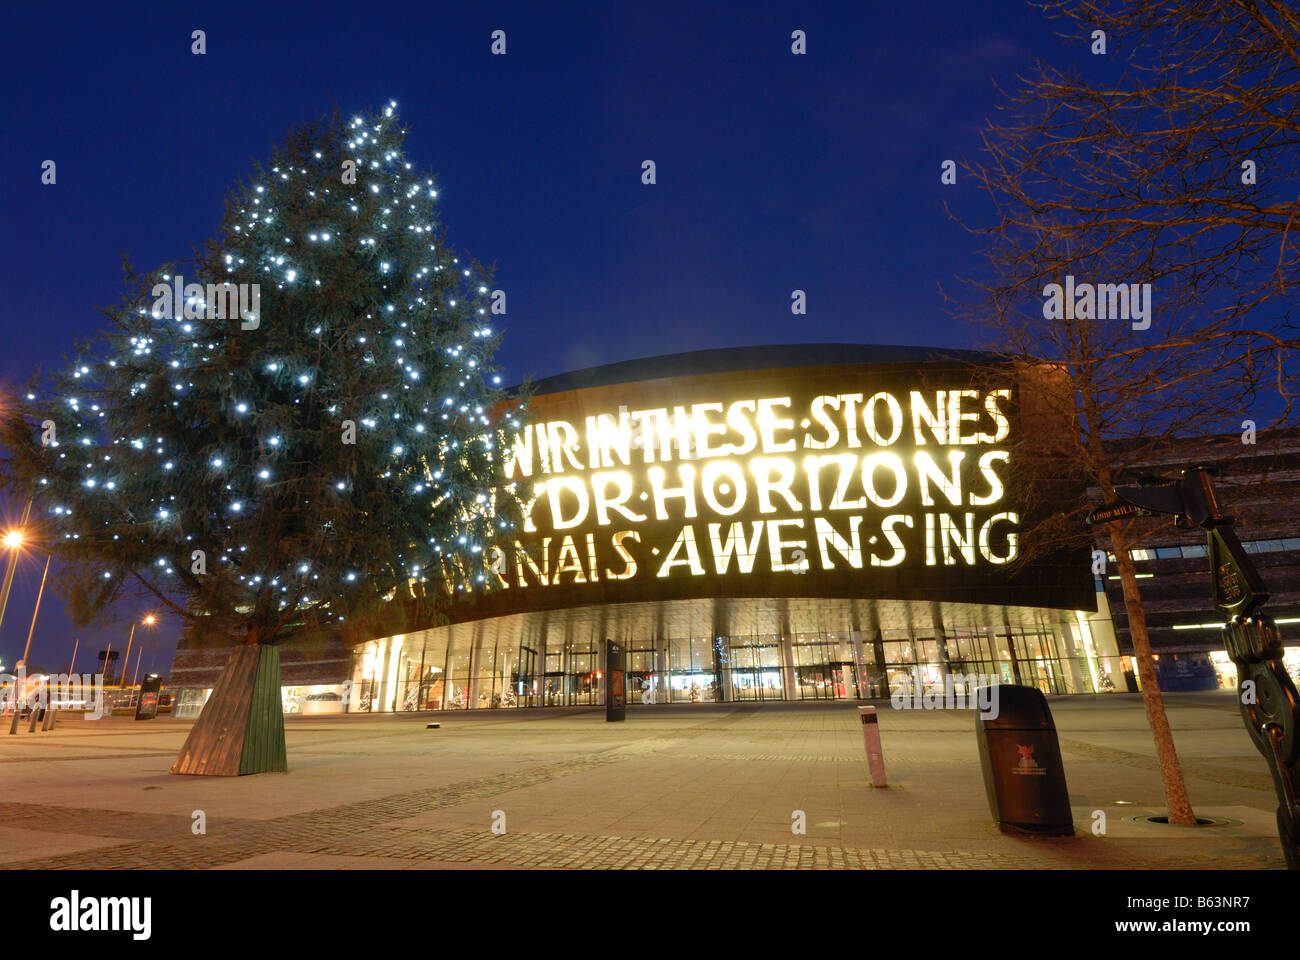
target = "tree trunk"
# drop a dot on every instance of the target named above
(241, 728)
(1171, 772)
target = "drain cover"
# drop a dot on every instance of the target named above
(1163, 820)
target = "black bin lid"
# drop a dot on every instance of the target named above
(1019, 708)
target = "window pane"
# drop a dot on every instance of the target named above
(898, 652)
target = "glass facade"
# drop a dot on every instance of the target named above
(477, 667)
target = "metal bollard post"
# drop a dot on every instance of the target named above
(31, 727)
(871, 738)
(48, 722)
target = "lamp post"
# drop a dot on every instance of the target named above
(39, 593)
(121, 677)
(148, 621)
(135, 676)
(107, 653)
(12, 540)
(15, 537)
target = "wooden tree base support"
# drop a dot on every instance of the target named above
(241, 728)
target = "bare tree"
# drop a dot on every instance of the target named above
(1141, 242)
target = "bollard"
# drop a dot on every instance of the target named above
(31, 727)
(871, 738)
(48, 722)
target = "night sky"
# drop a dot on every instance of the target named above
(775, 172)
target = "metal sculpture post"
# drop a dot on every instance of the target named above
(1269, 704)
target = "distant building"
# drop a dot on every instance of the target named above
(307, 670)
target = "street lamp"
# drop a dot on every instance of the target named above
(39, 593)
(15, 537)
(148, 621)
(12, 540)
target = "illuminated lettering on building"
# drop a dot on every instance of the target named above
(763, 485)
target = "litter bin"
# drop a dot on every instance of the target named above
(1021, 760)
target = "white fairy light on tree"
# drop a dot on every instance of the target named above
(239, 445)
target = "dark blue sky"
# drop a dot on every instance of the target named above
(775, 172)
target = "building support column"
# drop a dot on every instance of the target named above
(475, 656)
(446, 673)
(880, 683)
(941, 642)
(419, 680)
(787, 673)
(663, 689)
(379, 677)
(722, 667)
(602, 673)
(860, 690)
(1011, 652)
(918, 666)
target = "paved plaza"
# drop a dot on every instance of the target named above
(684, 786)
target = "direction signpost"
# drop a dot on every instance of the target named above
(1117, 510)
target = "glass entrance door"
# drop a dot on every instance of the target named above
(553, 688)
(814, 682)
(756, 672)
(582, 685)
(644, 684)
(812, 668)
(525, 678)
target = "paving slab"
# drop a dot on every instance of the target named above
(776, 786)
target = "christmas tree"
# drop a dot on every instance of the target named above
(277, 434)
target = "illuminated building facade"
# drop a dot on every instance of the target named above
(795, 522)
(773, 523)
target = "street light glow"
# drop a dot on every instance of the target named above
(13, 539)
